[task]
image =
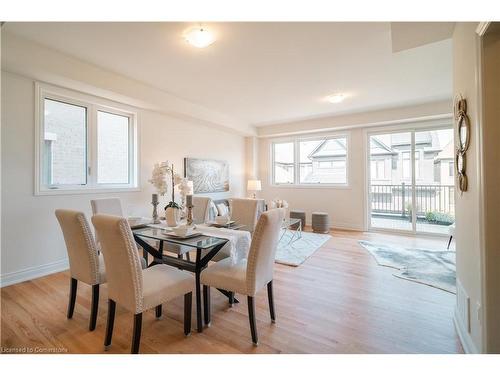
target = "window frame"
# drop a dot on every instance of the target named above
(296, 161)
(92, 104)
(273, 162)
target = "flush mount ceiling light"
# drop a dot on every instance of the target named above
(335, 98)
(199, 37)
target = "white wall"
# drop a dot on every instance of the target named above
(467, 211)
(372, 118)
(32, 243)
(491, 181)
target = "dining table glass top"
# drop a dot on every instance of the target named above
(200, 242)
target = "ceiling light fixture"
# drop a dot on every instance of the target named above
(335, 98)
(199, 37)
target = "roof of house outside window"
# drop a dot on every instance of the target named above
(330, 147)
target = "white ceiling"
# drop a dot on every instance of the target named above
(406, 35)
(262, 73)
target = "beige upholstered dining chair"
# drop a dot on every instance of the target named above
(107, 206)
(85, 264)
(135, 289)
(248, 276)
(201, 209)
(110, 206)
(244, 211)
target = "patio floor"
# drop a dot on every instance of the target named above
(403, 224)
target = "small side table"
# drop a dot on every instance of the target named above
(293, 226)
(298, 214)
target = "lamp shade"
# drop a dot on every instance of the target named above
(254, 185)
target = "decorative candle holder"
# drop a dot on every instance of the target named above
(154, 202)
(189, 218)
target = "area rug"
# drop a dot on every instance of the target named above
(295, 253)
(429, 267)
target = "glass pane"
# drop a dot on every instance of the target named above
(112, 148)
(200, 242)
(323, 161)
(390, 181)
(434, 189)
(283, 163)
(64, 150)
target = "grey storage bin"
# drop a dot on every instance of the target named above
(320, 222)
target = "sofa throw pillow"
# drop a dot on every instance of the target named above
(213, 211)
(222, 208)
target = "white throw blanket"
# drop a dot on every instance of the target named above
(239, 240)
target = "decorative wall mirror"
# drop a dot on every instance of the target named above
(463, 132)
(460, 162)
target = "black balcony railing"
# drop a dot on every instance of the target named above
(396, 199)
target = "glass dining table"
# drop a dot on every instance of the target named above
(206, 248)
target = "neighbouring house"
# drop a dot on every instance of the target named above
(391, 173)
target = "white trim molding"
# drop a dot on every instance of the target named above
(31, 273)
(363, 125)
(465, 339)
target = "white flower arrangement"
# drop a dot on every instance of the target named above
(159, 177)
(159, 181)
(184, 186)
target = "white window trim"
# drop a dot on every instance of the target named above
(93, 104)
(296, 162)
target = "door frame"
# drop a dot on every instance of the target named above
(412, 127)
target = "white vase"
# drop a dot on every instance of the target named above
(172, 216)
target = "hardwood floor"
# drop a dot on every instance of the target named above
(338, 301)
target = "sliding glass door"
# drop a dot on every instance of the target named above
(411, 177)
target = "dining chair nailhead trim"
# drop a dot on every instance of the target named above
(93, 257)
(133, 260)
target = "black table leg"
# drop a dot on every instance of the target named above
(158, 311)
(229, 295)
(206, 304)
(197, 274)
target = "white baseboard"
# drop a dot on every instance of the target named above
(464, 336)
(342, 226)
(347, 226)
(33, 272)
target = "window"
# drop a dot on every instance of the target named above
(377, 169)
(406, 165)
(417, 164)
(83, 144)
(310, 161)
(451, 169)
(112, 148)
(65, 138)
(284, 166)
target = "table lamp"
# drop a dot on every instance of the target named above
(254, 185)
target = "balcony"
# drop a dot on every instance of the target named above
(391, 207)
